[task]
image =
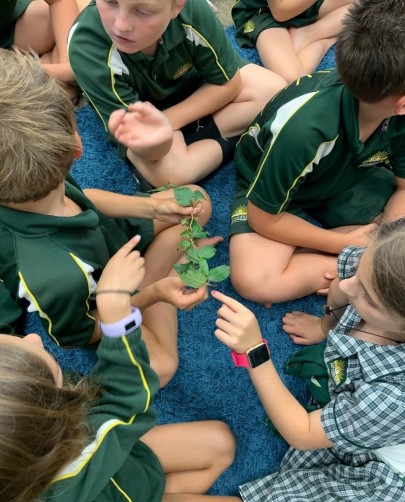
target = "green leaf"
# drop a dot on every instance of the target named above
(206, 252)
(181, 268)
(219, 274)
(163, 188)
(186, 234)
(185, 222)
(204, 267)
(184, 196)
(194, 278)
(192, 255)
(198, 196)
(184, 245)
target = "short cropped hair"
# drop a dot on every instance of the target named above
(370, 54)
(37, 127)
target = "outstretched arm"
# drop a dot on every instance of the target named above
(290, 229)
(237, 328)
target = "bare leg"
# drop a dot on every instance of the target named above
(193, 455)
(282, 275)
(189, 164)
(278, 54)
(328, 25)
(259, 85)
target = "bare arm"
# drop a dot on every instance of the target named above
(283, 10)
(204, 101)
(395, 207)
(237, 328)
(292, 230)
(62, 13)
(117, 205)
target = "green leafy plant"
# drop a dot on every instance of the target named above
(196, 272)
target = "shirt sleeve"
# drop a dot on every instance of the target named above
(370, 417)
(118, 419)
(290, 152)
(348, 261)
(397, 159)
(213, 55)
(10, 311)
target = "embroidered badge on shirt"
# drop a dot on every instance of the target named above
(182, 70)
(240, 214)
(338, 371)
(249, 26)
(377, 158)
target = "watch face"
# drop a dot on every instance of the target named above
(258, 355)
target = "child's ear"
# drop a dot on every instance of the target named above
(177, 7)
(78, 149)
(399, 106)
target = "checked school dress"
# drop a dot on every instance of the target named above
(365, 419)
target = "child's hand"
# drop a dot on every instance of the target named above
(303, 329)
(124, 272)
(237, 326)
(143, 129)
(170, 211)
(361, 236)
(174, 291)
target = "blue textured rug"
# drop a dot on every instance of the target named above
(207, 385)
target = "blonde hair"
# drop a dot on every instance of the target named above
(37, 129)
(42, 427)
(388, 267)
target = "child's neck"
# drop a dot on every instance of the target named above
(364, 331)
(53, 204)
(370, 117)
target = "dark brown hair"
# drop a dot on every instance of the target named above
(370, 54)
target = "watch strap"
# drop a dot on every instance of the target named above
(124, 326)
(253, 357)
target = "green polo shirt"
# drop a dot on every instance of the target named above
(251, 17)
(303, 153)
(10, 10)
(115, 465)
(51, 264)
(193, 50)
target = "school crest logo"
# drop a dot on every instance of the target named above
(240, 214)
(249, 27)
(338, 371)
(182, 70)
(377, 158)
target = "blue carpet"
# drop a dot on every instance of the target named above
(207, 385)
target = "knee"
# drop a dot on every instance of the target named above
(205, 214)
(165, 368)
(247, 282)
(224, 444)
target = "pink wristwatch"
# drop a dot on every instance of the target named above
(253, 357)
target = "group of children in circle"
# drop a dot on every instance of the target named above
(175, 99)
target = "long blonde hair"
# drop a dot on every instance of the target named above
(42, 427)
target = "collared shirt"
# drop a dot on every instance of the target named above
(304, 148)
(366, 412)
(193, 50)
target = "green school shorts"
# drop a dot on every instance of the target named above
(358, 206)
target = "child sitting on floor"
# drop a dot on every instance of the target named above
(175, 55)
(353, 447)
(56, 241)
(291, 36)
(329, 148)
(83, 443)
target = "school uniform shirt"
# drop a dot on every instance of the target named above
(303, 155)
(364, 419)
(192, 51)
(51, 265)
(251, 17)
(10, 11)
(115, 465)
